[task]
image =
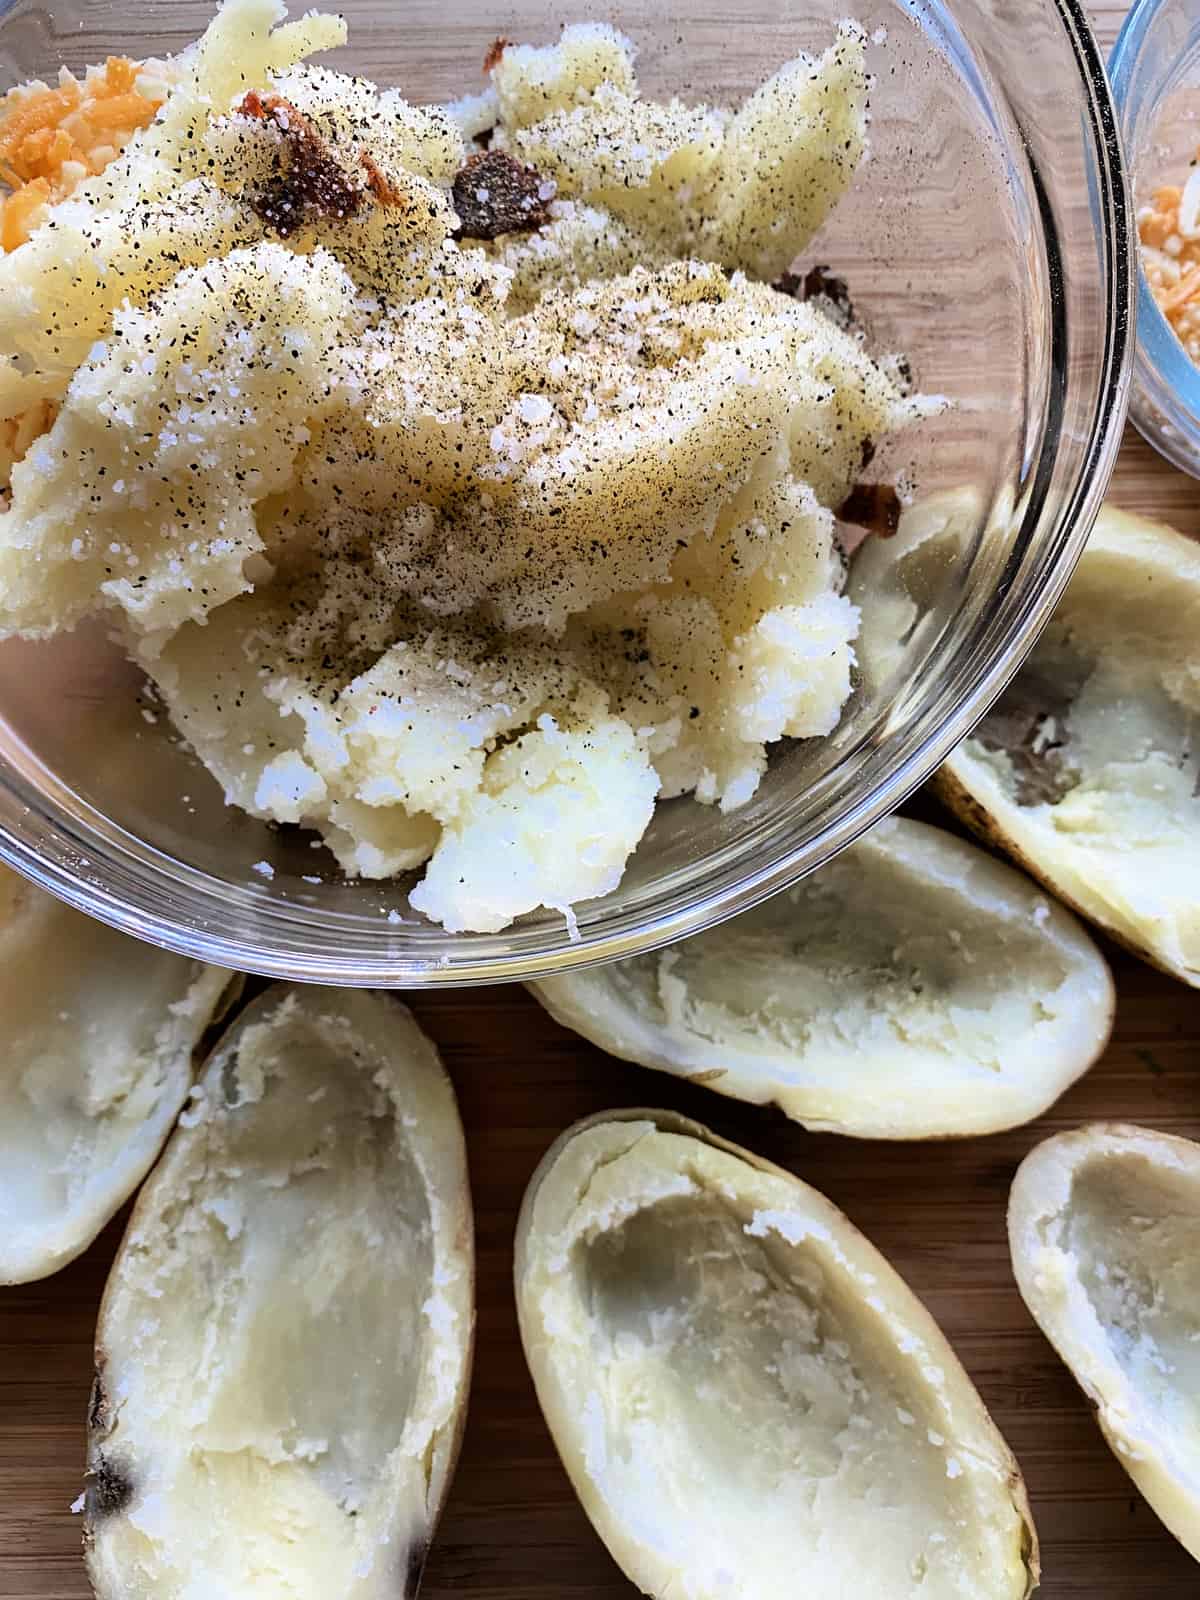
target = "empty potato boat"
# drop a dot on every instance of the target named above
(284, 1345)
(99, 1032)
(913, 987)
(1104, 1226)
(747, 1398)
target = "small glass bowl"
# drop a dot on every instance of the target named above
(987, 237)
(1155, 73)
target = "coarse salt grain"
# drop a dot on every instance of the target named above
(534, 408)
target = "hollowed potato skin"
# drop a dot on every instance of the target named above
(543, 1261)
(284, 1345)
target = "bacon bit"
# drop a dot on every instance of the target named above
(495, 50)
(818, 281)
(874, 506)
(493, 195)
(306, 175)
(380, 185)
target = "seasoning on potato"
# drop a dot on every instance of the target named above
(99, 1036)
(284, 1345)
(911, 988)
(459, 504)
(1104, 1227)
(747, 1398)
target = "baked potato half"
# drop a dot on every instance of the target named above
(100, 1033)
(1104, 1226)
(1087, 769)
(745, 1395)
(914, 987)
(284, 1345)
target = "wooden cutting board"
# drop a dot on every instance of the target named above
(513, 1530)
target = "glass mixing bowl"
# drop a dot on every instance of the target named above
(987, 237)
(1155, 67)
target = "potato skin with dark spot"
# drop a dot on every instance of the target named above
(109, 1490)
(396, 1107)
(108, 1483)
(958, 799)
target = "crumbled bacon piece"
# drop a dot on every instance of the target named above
(818, 281)
(495, 50)
(306, 174)
(494, 194)
(380, 185)
(874, 506)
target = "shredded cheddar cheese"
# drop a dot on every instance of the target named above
(50, 141)
(1169, 230)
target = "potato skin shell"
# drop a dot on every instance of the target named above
(959, 800)
(1159, 1488)
(106, 1490)
(674, 1122)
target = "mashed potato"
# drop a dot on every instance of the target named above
(460, 501)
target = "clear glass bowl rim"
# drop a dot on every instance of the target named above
(133, 888)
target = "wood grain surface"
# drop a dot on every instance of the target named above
(513, 1530)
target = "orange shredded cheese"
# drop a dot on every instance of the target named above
(1169, 231)
(50, 141)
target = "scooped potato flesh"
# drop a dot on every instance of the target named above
(737, 1384)
(593, 455)
(283, 1348)
(1105, 1232)
(99, 1032)
(913, 986)
(1088, 767)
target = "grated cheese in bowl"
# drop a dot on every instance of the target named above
(51, 141)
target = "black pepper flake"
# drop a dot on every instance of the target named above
(494, 194)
